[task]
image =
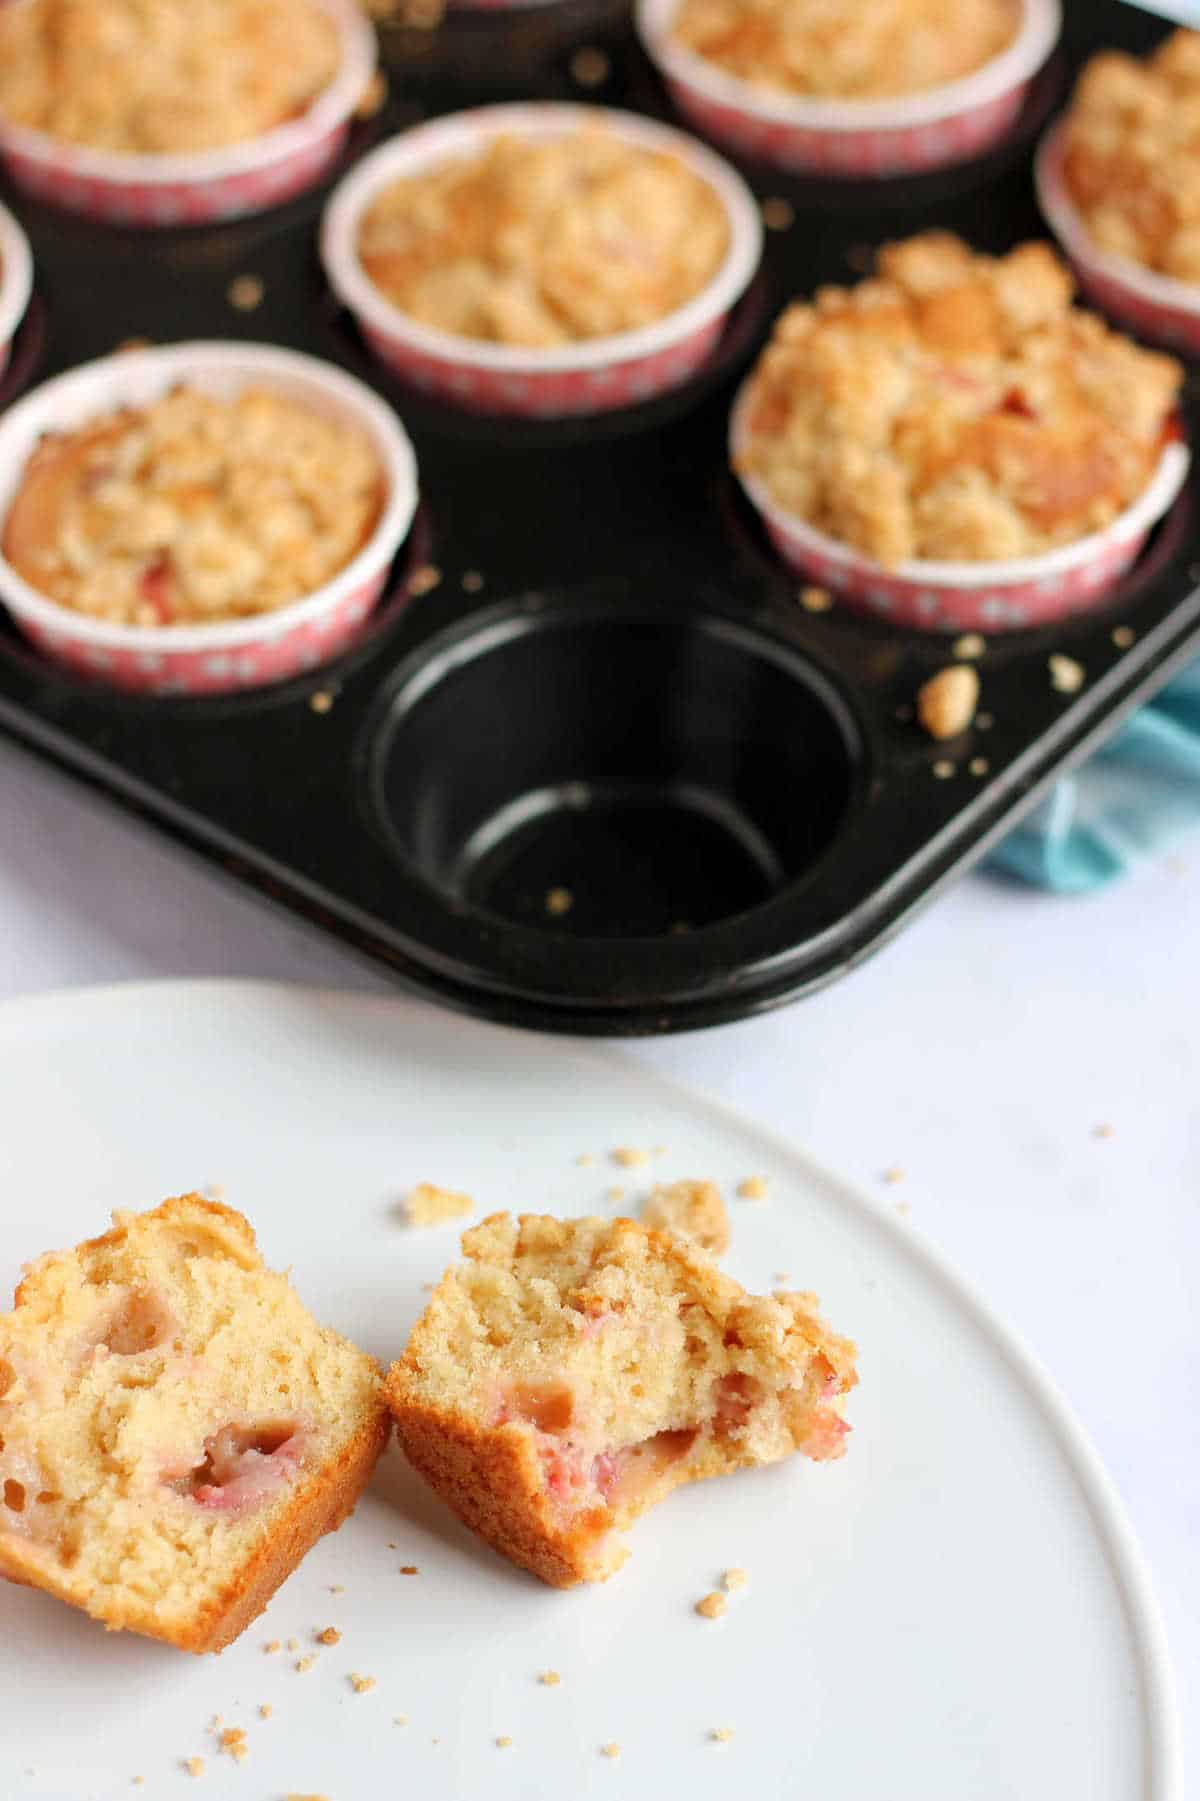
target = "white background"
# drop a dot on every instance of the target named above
(978, 1055)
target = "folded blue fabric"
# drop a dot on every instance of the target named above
(1130, 801)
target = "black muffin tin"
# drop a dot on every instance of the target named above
(607, 775)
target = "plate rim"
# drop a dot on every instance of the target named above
(1123, 1552)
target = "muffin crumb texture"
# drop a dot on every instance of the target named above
(545, 242)
(692, 1210)
(176, 1430)
(162, 77)
(954, 407)
(194, 509)
(1132, 155)
(843, 49)
(429, 1205)
(568, 1374)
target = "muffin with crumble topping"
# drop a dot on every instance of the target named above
(193, 509)
(956, 407)
(176, 1430)
(568, 1374)
(162, 77)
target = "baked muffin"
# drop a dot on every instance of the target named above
(162, 77)
(193, 509)
(542, 242)
(570, 1373)
(176, 1430)
(1132, 155)
(692, 1210)
(956, 406)
(843, 49)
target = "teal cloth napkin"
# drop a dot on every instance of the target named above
(1129, 802)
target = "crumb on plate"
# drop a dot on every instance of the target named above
(753, 1188)
(330, 1636)
(549, 1678)
(712, 1606)
(629, 1156)
(429, 1205)
(234, 1742)
(735, 1578)
(362, 1685)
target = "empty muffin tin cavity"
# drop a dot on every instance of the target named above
(608, 771)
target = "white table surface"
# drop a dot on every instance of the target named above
(977, 1055)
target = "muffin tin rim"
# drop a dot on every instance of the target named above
(539, 118)
(389, 439)
(332, 108)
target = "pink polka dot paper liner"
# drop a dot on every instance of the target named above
(862, 139)
(593, 376)
(117, 188)
(16, 281)
(240, 653)
(1156, 307)
(1015, 595)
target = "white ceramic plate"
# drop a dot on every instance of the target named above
(954, 1612)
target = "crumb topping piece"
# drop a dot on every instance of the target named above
(954, 406)
(546, 242)
(194, 1766)
(692, 1210)
(1066, 675)
(162, 77)
(193, 509)
(429, 1205)
(330, 1636)
(611, 1750)
(735, 1578)
(946, 702)
(549, 1678)
(842, 49)
(754, 1188)
(722, 1734)
(712, 1606)
(362, 1685)
(235, 1743)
